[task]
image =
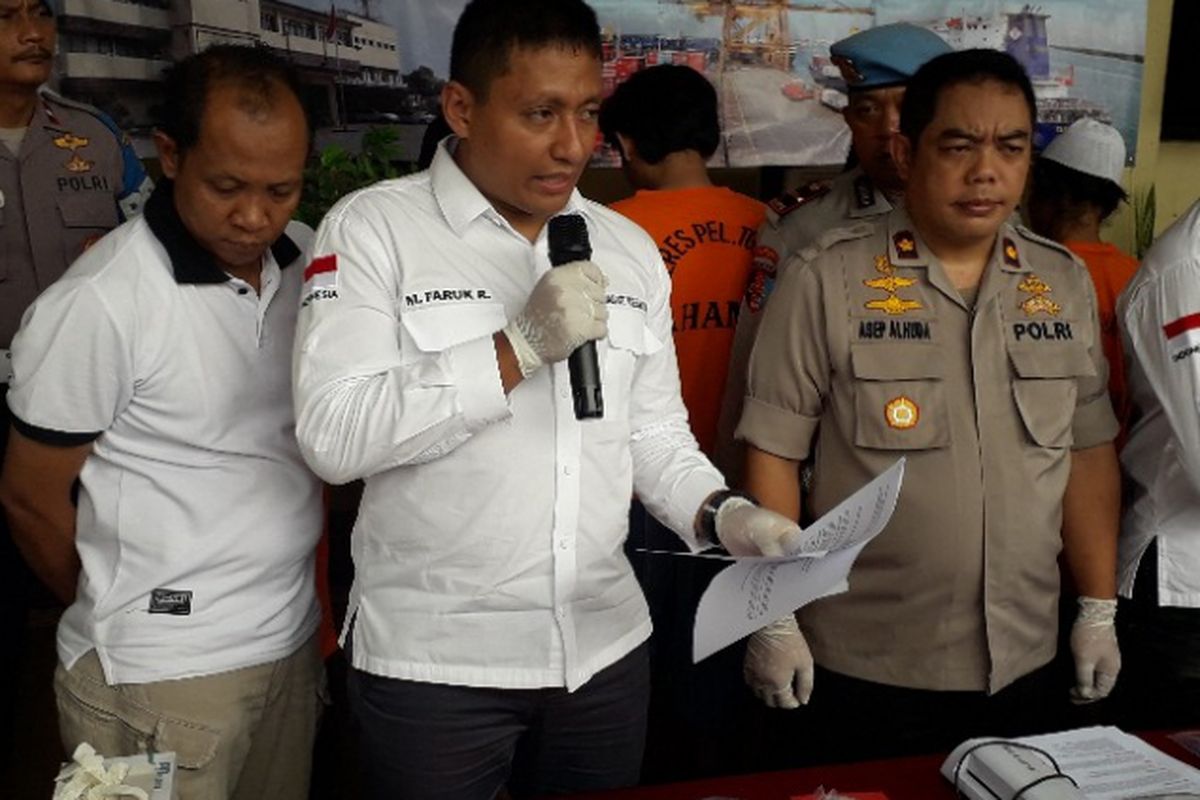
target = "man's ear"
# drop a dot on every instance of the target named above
(628, 148)
(168, 154)
(457, 104)
(902, 154)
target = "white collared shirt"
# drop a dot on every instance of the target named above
(1159, 315)
(488, 546)
(197, 519)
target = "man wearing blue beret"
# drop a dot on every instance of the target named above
(876, 65)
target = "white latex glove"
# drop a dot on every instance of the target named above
(1094, 647)
(778, 666)
(745, 529)
(566, 308)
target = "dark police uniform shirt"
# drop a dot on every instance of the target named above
(75, 178)
(869, 353)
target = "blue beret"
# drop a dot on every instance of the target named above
(885, 56)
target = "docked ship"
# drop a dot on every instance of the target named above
(1027, 42)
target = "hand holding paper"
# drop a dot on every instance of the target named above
(752, 592)
(748, 530)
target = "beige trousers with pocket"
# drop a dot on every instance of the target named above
(246, 734)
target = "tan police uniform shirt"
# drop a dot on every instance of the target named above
(870, 354)
(795, 221)
(74, 179)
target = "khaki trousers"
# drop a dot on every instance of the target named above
(246, 734)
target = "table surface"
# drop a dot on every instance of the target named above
(915, 778)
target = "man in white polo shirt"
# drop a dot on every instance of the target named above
(156, 373)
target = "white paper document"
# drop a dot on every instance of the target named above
(754, 592)
(1105, 762)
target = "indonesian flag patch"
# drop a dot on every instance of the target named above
(1183, 337)
(320, 280)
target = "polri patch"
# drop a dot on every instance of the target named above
(177, 602)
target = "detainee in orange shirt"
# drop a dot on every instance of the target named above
(664, 122)
(1076, 187)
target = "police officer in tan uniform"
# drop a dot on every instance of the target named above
(875, 64)
(67, 176)
(970, 347)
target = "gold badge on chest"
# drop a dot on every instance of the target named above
(76, 163)
(1037, 302)
(890, 283)
(901, 413)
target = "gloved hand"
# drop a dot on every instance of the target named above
(745, 529)
(1094, 647)
(778, 666)
(566, 308)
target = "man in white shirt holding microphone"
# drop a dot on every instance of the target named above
(497, 632)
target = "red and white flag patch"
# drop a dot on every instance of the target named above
(321, 279)
(1182, 325)
(1183, 336)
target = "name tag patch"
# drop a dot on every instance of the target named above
(171, 601)
(434, 296)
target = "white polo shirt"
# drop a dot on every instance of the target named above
(488, 546)
(197, 517)
(1159, 317)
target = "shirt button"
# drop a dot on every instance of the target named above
(243, 290)
(566, 470)
(563, 393)
(563, 545)
(560, 613)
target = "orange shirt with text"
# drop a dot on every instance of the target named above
(1110, 270)
(706, 236)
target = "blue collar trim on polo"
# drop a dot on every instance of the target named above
(189, 260)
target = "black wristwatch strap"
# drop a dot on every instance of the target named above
(708, 513)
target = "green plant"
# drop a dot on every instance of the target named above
(1143, 221)
(336, 172)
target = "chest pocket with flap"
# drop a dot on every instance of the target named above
(436, 328)
(1045, 388)
(899, 399)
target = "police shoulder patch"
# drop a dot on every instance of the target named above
(792, 199)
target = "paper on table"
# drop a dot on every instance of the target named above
(753, 592)
(1108, 764)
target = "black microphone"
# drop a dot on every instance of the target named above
(568, 239)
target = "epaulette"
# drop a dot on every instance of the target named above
(1030, 236)
(48, 96)
(792, 199)
(831, 237)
